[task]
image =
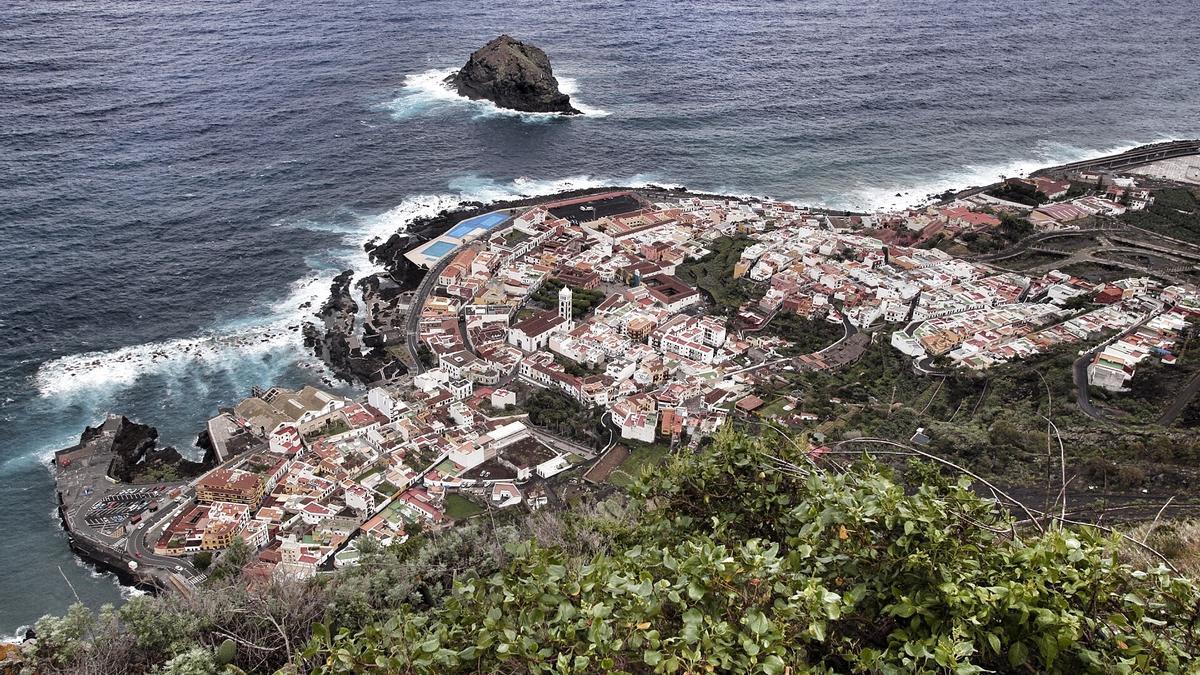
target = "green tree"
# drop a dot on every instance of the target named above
(231, 560)
(201, 560)
(425, 356)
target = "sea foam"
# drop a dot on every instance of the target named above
(911, 191)
(232, 346)
(274, 331)
(427, 92)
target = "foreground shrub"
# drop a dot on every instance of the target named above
(744, 564)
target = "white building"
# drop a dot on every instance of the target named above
(503, 398)
(533, 333)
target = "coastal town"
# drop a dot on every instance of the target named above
(552, 348)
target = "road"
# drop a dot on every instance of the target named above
(413, 320)
(138, 548)
(428, 283)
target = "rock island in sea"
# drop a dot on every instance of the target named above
(514, 75)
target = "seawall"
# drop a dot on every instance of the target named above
(103, 557)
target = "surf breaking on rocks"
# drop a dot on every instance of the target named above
(276, 334)
(427, 92)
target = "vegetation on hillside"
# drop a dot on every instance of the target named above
(1174, 213)
(1012, 228)
(1019, 192)
(742, 561)
(714, 274)
(1150, 392)
(806, 335)
(743, 558)
(560, 414)
(993, 421)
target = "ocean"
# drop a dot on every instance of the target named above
(179, 182)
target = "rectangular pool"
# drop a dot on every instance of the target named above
(438, 249)
(486, 222)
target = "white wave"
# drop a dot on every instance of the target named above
(428, 92)
(231, 347)
(570, 87)
(129, 592)
(910, 191)
(274, 330)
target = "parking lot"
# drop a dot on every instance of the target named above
(114, 509)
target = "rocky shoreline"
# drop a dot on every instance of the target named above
(351, 356)
(115, 455)
(366, 359)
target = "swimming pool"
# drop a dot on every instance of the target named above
(438, 249)
(486, 222)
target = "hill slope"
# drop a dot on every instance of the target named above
(743, 558)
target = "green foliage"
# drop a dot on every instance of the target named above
(226, 652)
(563, 415)
(61, 640)
(195, 661)
(1175, 213)
(641, 458)
(231, 560)
(1014, 227)
(575, 368)
(1020, 192)
(425, 355)
(806, 335)
(582, 299)
(739, 566)
(714, 273)
(158, 627)
(1154, 387)
(201, 560)
(459, 507)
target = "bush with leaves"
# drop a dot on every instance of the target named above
(240, 623)
(745, 563)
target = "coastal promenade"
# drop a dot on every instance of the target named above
(1127, 160)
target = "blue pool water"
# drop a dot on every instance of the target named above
(438, 249)
(486, 221)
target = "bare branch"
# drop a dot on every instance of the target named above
(1154, 523)
(956, 467)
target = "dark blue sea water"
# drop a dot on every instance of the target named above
(178, 178)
